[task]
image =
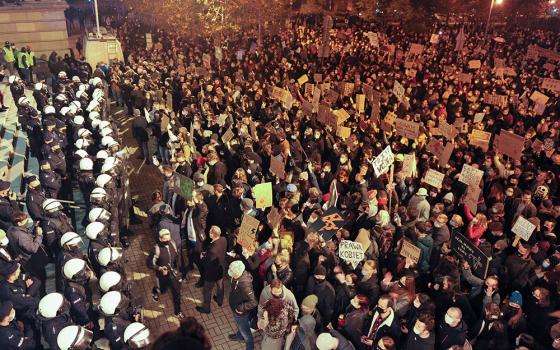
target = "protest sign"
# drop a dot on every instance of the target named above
(360, 103)
(536, 146)
(475, 64)
(539, 109)
(287, 99)
(347, 89)
(316, 98)
(495, 100)
(539, 98)
(274, 218)
(499, 63)
(465, 78)
(239, 54)
(435, 147)
(409, 250)
(407, 128)
(206, 60)
(523, 228)
(343, 132)
(218, 53)
(480, 138)
(375, 111)
(478, 117)
(351, 252)
(277, 93)
(434, 39)
(327, 225)
(227, 136)
(416, 49)
(341, 116)
(183, 186)
(363, 239)
(433, 178)
(323, 113)
(398, 90)
(277, 167)
(383, 161)
(303, 79)
(317, 78)
(409, 165)
(551, 84)
(247, 237)
(448, 131)
(149, 42)
(508, 71)
(510, 144)
(309, 89)
(307, 107)
(470, 175)
(201, 71)
(466, 249)
(446, 154)
(549, 67)
(263, 195)
(390, 118)
(471, 198)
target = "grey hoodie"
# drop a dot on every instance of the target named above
(287, 295)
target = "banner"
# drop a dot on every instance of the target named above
(407, 128)
(351, 252)
(466, 249)
(327, 225)
(383, 161)
(470, 175)
(409, 250)
(263, 195)
(433, 178)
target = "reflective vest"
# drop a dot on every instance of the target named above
(31, 59)
(20, 56)
(9, 54)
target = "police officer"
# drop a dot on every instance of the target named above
(11, 337)
(8, 205)
(74, 338)
(118, 314)
(77, 291)
(50, 180)
(102, 215)
(137, 336)
(164, 260)
(53, 315)
(17, 87)
(54, 224)
(86, 179)
(70, 244)
(41, 95)
(98, 239)
(23, 292)
(26, 114)
(6, 257)
(34, 198)
(110, 260)
(9, 57)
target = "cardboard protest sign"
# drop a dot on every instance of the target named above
(480, 138)
(263, 195)
(448, 131)
(539, 98)
(364, 239)
(309, 89)
(536, 146)
(307, 107)
(495, 100)
(347, 89)
(471, 198)
(317, 78)
(510, 144)
(416, 49)
(551, 84)
(466, 249)
(471, 176)
(465, 78)
(407, 128)
(409, 165)
(277, 93)
(382, 163)
(183, 186)
(274, 218)
(227, 136)
(539, 109)
(343, 132)
(303, 79)
(523, 228)
(434, 39)
(549, 67)
(409, 250)
(446, 154)
(327, 225)
(435, 147)
(341, 116)
(390, 118)
(323, 113)
(375, 112)
(475, 64)
(149, 42)
(277, 167)
(330, 96)
(478, 117)
(398, 90)
(247, 236)
(433, 178)
(360, 103)
(351, 252)
(287, 99)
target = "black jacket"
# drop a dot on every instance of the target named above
(415, 342)
(214, 260)
(448, 336)
(242, 297)
(325, 292)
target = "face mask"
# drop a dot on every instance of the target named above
(416, 330)
(200, 183)
(546, 264)
(29, 223)
(449, 320)
(437, 224)
(401, 284)
(379, 310)
(354, 304)
(279, 296)
(417, 304)
(365, 273)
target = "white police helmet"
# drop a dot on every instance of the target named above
(49, 110)
(51, 205)
(110, 302)
(74, 338)
(73, 267)
(70, 238)
(102, 180)
(108, 280)
(97, 214)
(106, 140)
(137, 335)
(81, 154)
(50, 304)
(98, 193)
(102, 154)
(108, 255)
(79, 120)
(93, 230)
(86, 164)
(23, 101)
(94, 115)
(106, 131)
(81, 143)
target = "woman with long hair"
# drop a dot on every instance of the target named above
(278, 319)
(402, 291)
(476, 227)
(354, 319)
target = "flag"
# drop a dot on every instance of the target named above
(461, 38)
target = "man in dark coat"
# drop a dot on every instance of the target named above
(384, 323)
(8, 205)
(322, 288)
(34, 198)
(218, 170)
(213, 263)
(453, 331)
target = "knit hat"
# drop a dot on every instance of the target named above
(291, 188)
(422, 192)
(320, 271)
(236, 268)
(247, 203)
(448, 197)
(310, 301)
(325, 341)
(516, 298)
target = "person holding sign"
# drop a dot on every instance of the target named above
(476, 227)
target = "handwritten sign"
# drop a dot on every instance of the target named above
(263, 195)
(466, 249)
(277, 167)
(434, 39)
(248, 232)
(327, 225)
(495, 100)
(409, 250)
(551, 84)
(523, 228)
(383, 161)
(433, 178)
(478, 117)
(398, 90)
(448, 130)
(407, 128)
(360, 103)
(480, 138)
(351, 252)
(470, 175)
(471, 198)
(409, 165)
(274, 218)
(317, 78)
(227, 136)
(465, 78)
(539, 98)
(475, 64)
(510, 144)
(446, 154)
(303, 79)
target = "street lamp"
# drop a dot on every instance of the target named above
(492, 2)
